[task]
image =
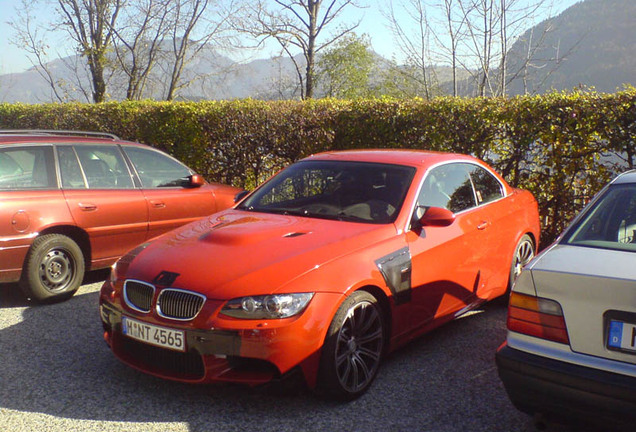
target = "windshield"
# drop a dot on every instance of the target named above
(610, 223)
(353, 191)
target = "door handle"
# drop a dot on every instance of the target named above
(87, 206)
(158, 204)
(483, 225)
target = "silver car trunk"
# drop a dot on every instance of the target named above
(593, 286)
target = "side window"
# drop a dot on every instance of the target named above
(156, 169)
(72, 177)
(487, 187)
(104, 167)
(27, 168)
(448, 186)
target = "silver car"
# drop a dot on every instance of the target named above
(571, 345)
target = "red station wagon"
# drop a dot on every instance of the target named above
(73, 201)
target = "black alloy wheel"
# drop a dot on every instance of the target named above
(353, 349)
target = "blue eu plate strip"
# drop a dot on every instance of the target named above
(615, 334)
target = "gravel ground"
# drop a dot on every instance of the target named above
(57, 374)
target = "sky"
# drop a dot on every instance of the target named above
(372, 23)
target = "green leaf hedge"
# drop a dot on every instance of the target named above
(563, 147)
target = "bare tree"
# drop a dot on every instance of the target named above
(28, 36)
(537, 50)
(481, 20)
(299, 24)
(196, 25)
(454, 27)
(493, 25)
(77, 83)
(90, 24)
(168, 34)
(472, 37)
(431, 37)
(141, 30)
(514, 19)
(413, 40)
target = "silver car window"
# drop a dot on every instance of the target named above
(610, 223)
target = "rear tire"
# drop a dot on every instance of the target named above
(353, 348)
(53, 269)
(524, 252)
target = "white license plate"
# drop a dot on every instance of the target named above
(154, 335)
(622, 335)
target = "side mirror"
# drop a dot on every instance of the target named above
(195, 180)
(435, 216)
(239, 196)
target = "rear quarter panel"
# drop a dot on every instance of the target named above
(24, 214)
(511, 218)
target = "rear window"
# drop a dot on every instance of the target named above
(610, 223)
(26, 168)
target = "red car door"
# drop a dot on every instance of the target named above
(102, 199)
(171, 201)
(446, 261)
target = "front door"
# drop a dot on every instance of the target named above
(171, 203)
(446, 273)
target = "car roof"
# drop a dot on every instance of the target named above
(393, 156)
(626, 177)
(58, 136)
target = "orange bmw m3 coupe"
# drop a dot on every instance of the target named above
(323, 269)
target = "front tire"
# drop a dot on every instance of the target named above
(54, 268)
(353, 348)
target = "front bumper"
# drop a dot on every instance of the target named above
(563, 390)
(249, 352)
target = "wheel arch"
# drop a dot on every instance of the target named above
(527, 232)
(76, 234)
(532, 237)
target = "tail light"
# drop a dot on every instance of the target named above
(535, 316)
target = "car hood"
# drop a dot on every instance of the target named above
(236, 252)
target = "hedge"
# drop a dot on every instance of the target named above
(563, 147)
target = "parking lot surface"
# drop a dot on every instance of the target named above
(57, 374)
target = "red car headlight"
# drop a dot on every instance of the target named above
(267, 307)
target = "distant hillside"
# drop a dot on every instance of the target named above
(210, 76)
(592, 44)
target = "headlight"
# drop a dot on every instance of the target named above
(267, 307)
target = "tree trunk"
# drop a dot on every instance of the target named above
(97, 74)
(314, 6)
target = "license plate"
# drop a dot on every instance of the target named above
(622, 336)
(153, 335)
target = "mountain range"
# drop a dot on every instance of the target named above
(590, 44)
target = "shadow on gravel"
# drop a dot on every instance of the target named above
(11, 295)
(55, 362)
